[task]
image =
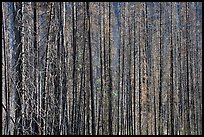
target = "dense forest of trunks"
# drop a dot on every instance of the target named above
(121, 68)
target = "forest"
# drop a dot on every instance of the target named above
(101, 68)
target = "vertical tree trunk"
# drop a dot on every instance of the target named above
(35, 126)
(105, 65)
(171, 79)
(18, 62)
(5, 74)
(44, 97)
(91, 72)
(122, 88)
(74, 66)
(110, 79)
(140, 92)
(188, 128)
(134, 77)
(101, 70)
(160, 75)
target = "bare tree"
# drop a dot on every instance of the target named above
(110, 68)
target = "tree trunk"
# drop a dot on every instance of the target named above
(18, 63)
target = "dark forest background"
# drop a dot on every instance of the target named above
(122, 68)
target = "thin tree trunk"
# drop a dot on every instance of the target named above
(188, 128)
(140, 92)
(101, 70)
(35, 126)
(7, 93)
(43, 123)
(18, 63)
(110, 79)
(160, 75)
(134, 79)
(74, 67)
(91, 72)
(172, 82)
(122, 100)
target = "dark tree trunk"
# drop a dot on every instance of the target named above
(35, 126)
(18, 62)
(171, 78)
(160, 75)
(91, 72)
(74, 67)
(188, 127)
(110, 79)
